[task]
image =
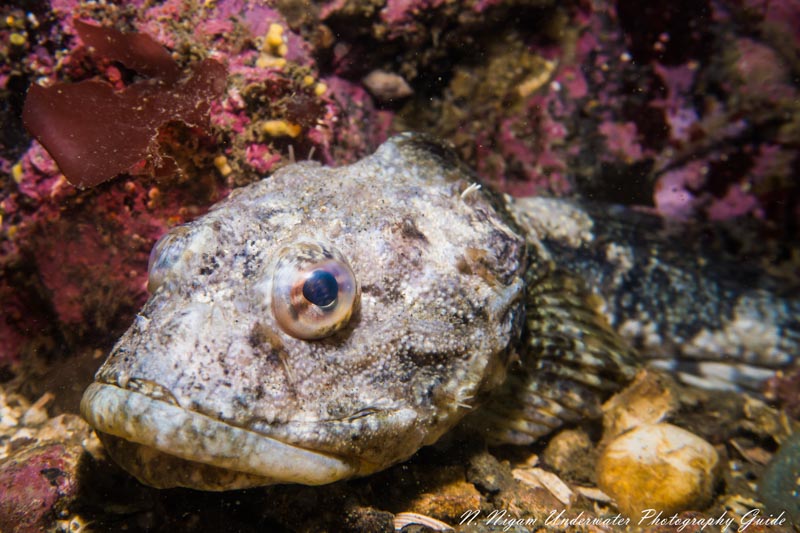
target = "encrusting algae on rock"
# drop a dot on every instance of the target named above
(595, 110)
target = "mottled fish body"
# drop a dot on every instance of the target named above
(326, 323)
(671, 292)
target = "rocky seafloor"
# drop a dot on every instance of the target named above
(690, 110)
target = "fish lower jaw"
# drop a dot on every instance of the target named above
(164, 445)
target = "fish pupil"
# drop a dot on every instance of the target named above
(321, 288)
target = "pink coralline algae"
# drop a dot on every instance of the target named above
(622, 140)
(675, 190)
(736, 202)
(784, 387)
(179, 112)
(33, 483)
(667, 106)
(400, 14)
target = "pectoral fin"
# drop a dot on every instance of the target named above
(572, 361)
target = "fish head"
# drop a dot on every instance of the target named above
(321, 324)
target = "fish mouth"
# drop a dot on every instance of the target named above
(165, 445)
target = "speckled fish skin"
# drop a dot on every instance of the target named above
(718, 321)
(440, 271)
(465, 295)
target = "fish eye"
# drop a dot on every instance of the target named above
(166, 253)
(314, 291)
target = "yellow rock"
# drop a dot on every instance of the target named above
(660, 467)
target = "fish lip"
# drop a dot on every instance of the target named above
(192, 436)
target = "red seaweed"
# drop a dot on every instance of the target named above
(95, 132)
(137, 51)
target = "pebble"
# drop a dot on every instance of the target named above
(387, 86)
(36, 483)
(658, 466)
(649, 399)
(572, 455)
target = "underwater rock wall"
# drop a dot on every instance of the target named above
(689, 109)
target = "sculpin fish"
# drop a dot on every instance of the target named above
(326, 323)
